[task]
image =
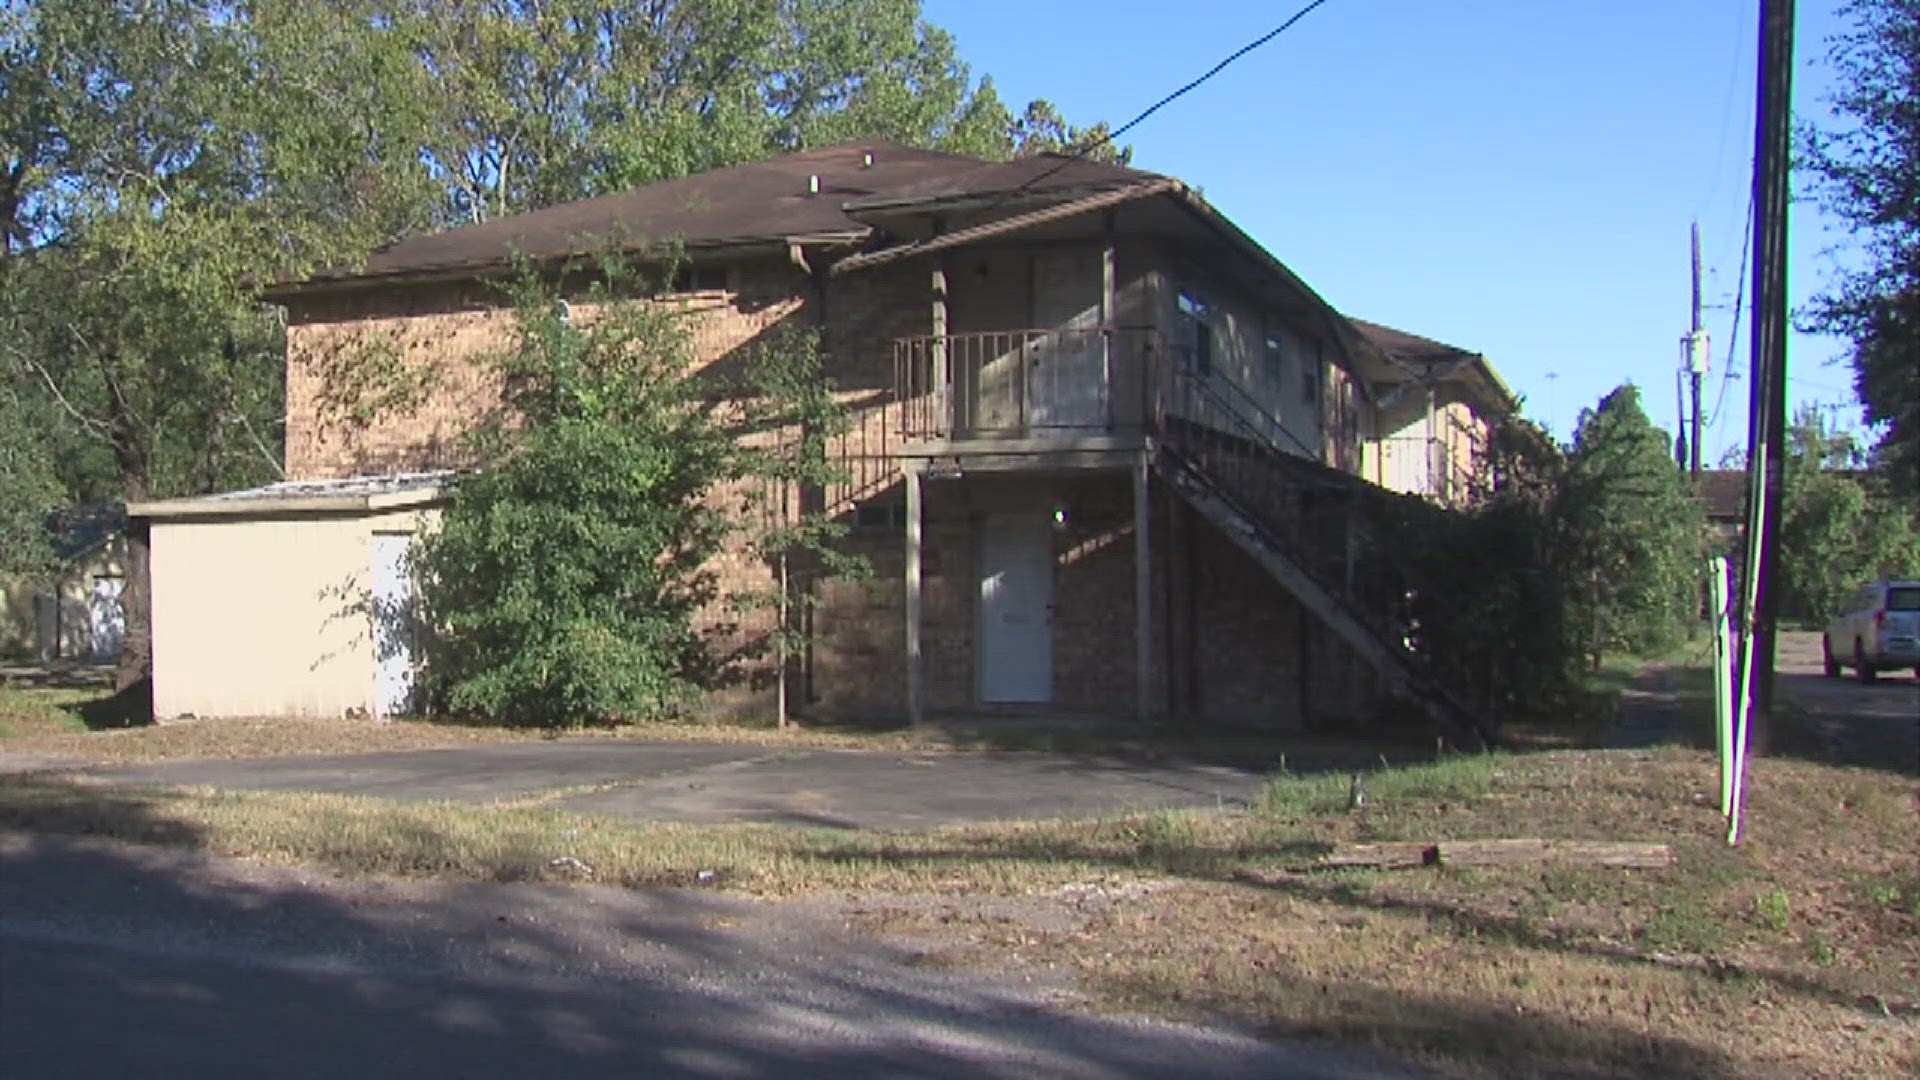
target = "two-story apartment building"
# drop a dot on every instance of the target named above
(1104, 457)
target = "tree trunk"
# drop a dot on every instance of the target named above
(136, 601)
(132, 678)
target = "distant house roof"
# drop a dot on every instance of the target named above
(1409, 348)
(1724, 491)
(392, 491)
(772, 200)
(1427, 356)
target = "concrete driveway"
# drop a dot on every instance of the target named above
(1875, 724)
(701, 782)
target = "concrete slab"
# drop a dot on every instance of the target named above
(699, 782)
(851, 789)
(463, 774)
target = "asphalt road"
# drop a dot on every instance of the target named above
(1875, 724)
(634, 779)
(119, 961)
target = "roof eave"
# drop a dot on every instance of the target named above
(481, 269)
(1002, 226)
(214, 507)
(1347, 335)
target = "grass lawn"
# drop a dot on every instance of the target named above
(42, 712)
(1797, 954)
(62, 725)
(66, 724)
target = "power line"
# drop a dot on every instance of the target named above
(1081, 152)
(1739, 297)
(1726, 115)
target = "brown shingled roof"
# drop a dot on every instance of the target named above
(759, 201)
(1409, 348)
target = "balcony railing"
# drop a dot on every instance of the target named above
(1002, 384)
(1427, 466)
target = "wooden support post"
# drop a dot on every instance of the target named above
(916, 669)
(941, 373)
(1142, 595)
(1106, 317)
(1173, 636)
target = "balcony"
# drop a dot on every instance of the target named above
(1060, 386)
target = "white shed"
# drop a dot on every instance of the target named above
(292, 599)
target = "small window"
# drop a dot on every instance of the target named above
(691, 278)
(1197, 315)
(880, 517)
(1903, 598)
(1276, 357)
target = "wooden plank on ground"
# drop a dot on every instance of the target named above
(1390, 855)
(1533, 852)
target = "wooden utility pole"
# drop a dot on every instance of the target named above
(1767, 405)
(1696, 355)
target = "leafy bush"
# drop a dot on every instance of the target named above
(562, 583)
(1839, 524)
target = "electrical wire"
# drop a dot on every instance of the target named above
(1081, 152)
(1733, 336)
(1726, 116)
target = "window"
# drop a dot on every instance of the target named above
(1310, 374)
(690, 278)
(1276, 357)
(1196, 315)
(880, 517)
(1903, 598)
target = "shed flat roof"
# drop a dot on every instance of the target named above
(390, 491)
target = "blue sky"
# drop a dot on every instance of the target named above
(1515, 177)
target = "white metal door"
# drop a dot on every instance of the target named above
(106, 618)
(1016, 611)
(1067, 370)
(392, 610)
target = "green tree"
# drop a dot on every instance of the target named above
(562, 583)
(1838, 525)
(547, 103)
(163, 161)
(1866, 172)
(29, 488)
(1042, 130)
(1631, 535)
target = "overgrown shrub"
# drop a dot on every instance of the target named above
(562, 583)
(1840, 524)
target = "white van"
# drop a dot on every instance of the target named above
(1878, 629)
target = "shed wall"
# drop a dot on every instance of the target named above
(265, 616)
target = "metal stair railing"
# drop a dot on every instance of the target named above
(1218, 440)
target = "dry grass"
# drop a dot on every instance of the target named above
(1797, 954)
(52, 724)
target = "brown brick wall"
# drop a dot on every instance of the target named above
(1245, 633)
(859, 646)
(1244, 652)
(388, 380)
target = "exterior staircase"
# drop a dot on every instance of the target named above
(1301, 521)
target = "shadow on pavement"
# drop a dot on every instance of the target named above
(212, 969)
(1844, 722)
